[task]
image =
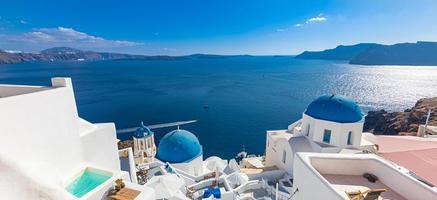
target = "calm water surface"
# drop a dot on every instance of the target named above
(246, 95)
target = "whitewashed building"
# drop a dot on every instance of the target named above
(334, 176)
(330, 124)
(46, 149)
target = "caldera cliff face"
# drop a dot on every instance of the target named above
(382, 122)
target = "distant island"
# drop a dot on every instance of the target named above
(70, 54)
(420, 53)
(341, 52)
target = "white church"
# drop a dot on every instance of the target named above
(144, 148)
(330, 124)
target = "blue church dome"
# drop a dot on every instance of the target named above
(335, 108)
(179, 146)
(142, 131)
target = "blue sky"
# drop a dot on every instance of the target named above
(179, 27)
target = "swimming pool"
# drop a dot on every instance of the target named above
(87, 181)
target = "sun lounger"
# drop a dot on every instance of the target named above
(356, 195)
(372, 194)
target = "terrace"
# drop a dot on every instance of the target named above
(15, 90)
(335, 175)
(352, 183)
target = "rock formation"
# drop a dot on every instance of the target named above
(385, 123)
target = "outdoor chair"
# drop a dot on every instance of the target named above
(371, 194)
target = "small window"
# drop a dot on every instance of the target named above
(349, 138)
(327, 136)
(284, 156)
(308, 130)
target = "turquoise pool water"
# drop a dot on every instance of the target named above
(86, 182)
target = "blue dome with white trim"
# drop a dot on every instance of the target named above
(335, 108)
(179, 146)
(142, 131)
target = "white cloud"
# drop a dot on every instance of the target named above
(68, 37)
(281, 30)
(23, 22)
(317, 19)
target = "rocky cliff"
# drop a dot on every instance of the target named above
(407, 122)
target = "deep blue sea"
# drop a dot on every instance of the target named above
(246, 95)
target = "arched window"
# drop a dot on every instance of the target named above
(308, 129)
(327, 136)
(350, 138)
(284, 156)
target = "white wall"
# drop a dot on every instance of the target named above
(309, 167)
(270, 175)
(269, 151)
(132, 168)
(43, 142)
(23, 182)
(42, 126)
(100, 147)
(339, 131)
(274, 154)
(194, 167)
(398, 181)
(309, 184)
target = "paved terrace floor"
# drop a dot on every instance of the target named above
(417, 154)
(350, 183)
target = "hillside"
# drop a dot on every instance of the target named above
(341, 52)
(420, 53)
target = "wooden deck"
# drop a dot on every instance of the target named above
(126, 194)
